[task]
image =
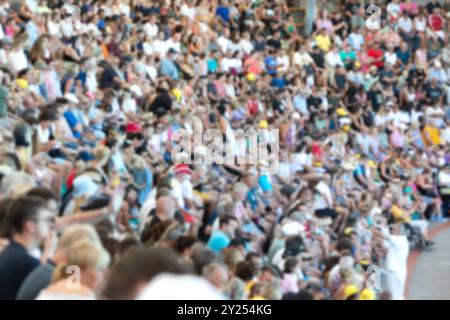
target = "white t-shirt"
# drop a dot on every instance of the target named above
(18, 60)
(151, 29)
(398, 249)
(431, 112)
(246, 46)
(188, 12)
(390, 58)
(405, 24)
(333, 59)
(224, 44)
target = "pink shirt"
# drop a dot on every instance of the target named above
(289, 283)
(410, 7)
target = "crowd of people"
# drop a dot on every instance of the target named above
(94, 93)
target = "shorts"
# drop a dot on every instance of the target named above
(326, 213)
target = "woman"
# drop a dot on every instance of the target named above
(81, 277)
(142, 178)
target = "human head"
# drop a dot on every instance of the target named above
(93, 261)
(136, 268)
(165, 207)
(216, 274)
(30, 219)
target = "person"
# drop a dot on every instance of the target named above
(92, 262)
(396, 262)
(31, 223)
(136, 268)
(41, 277)
(221, 238)
(216, 274)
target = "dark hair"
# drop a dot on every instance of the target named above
(140, 265)
(42, 193)
(245, 270)
(22, 210)
(184, 242)
(5, 206)
(128, 244)
(48, 115)
(252, 255)
(202, 257)
(344, 245)
(290, 264)
(225, 220)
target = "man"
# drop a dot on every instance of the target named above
(216, 274)
(221, 238)
(182, 189)
(31, 222)
(168, 67)
(323, 40)
(396, 259)
(41, 276)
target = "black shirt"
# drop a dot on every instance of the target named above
(107, 79)
(15, 265)
(162, 104)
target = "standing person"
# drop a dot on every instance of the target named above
(396, 260)
(31, 222)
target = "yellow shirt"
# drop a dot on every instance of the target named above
(323, 42)
(399, 214)
(432, 135)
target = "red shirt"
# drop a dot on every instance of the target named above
(376, 54)
(436, 22)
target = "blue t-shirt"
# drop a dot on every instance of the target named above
(73, 122)
(218, 241)
(279, 83)
(224, 13)
(271, 64)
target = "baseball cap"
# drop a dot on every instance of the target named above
(182, 168)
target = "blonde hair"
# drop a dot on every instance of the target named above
(76, 233)
(84, 255)
(101, 153)
(137, 162)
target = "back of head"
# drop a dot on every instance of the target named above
(165, 206)
(201, 257)
(76, 233)
(138, 266)
(85, 255)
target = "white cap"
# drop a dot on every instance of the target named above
(292, 228)
(136, 90)
(179, 287)
(72, 98)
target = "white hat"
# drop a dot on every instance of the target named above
(72, 98)
(83, 185)
(292, 228)
(136, 90)
(437, 64)
(179, 287)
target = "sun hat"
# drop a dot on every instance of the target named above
(84, 186)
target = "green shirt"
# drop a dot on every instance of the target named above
(3, 101)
